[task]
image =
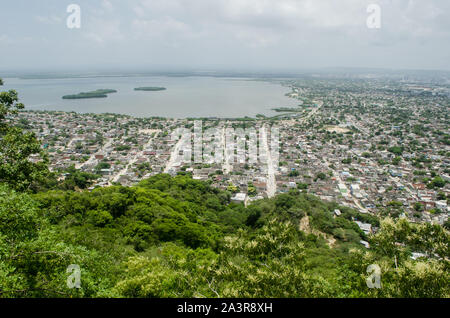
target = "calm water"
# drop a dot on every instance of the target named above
(184, 97)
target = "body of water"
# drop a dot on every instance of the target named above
(184, 97)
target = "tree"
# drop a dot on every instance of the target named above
(396, 150)
(418, 207)
(22, 161)
(321, 176)
(441, 196)
(437, 182)
(77, 178)
(396, 160)
(33, 260)
(402, 277)
(347, 160)
(294, 173)
(9, 105)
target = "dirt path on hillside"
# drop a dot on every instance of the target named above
(305, 227)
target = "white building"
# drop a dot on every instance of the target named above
(240, 198)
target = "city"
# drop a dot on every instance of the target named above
(380, 149)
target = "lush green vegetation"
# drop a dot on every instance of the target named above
(99, 93)
(150, 89)
(16, 146)
(178, 237)
(75, 179)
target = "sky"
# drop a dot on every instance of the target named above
(205, 35)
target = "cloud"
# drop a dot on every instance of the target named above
(51, 20)
(241, 32)
(4, 39)
(107, 5)
(103, 31)
(160, 27)
(414, 18)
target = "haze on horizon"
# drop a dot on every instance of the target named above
(245, 35)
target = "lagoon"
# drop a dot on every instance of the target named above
(190, 96)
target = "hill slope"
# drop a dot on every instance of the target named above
(178, 237)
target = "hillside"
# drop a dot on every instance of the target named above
(178, 237)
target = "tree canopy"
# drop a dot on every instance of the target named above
(23, 163)
(166, 238)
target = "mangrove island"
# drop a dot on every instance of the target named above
(150, 89)
(99, 93)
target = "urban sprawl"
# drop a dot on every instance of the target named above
(379, 146)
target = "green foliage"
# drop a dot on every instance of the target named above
(396, 160)
(102, 165)
(18, 216)
(402, 276)
(274, 261)
(396, 150)
(34, 260)
(77, 179)
(17, 167)
(99, 218)
(437, 182)
(418, 207)
(294, 173)
(347, 161)
(122, 148)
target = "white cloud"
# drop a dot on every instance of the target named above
(106, 4)
(160, 27)
(103, 31)
(48, 20)
(263, 32)
(416, 17)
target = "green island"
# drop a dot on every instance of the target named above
(99, 93)
(150, 89)
(286, 109)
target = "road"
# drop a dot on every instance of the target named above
(226, 167)
(315, 110)
(271, 185)
(72, 141)
(117, 176)
(174, 155)
(92, 159)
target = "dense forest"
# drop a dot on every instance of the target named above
(178, 237)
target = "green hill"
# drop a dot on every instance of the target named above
(178, 237)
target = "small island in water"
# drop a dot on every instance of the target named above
(99, 93)
(150, 89)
